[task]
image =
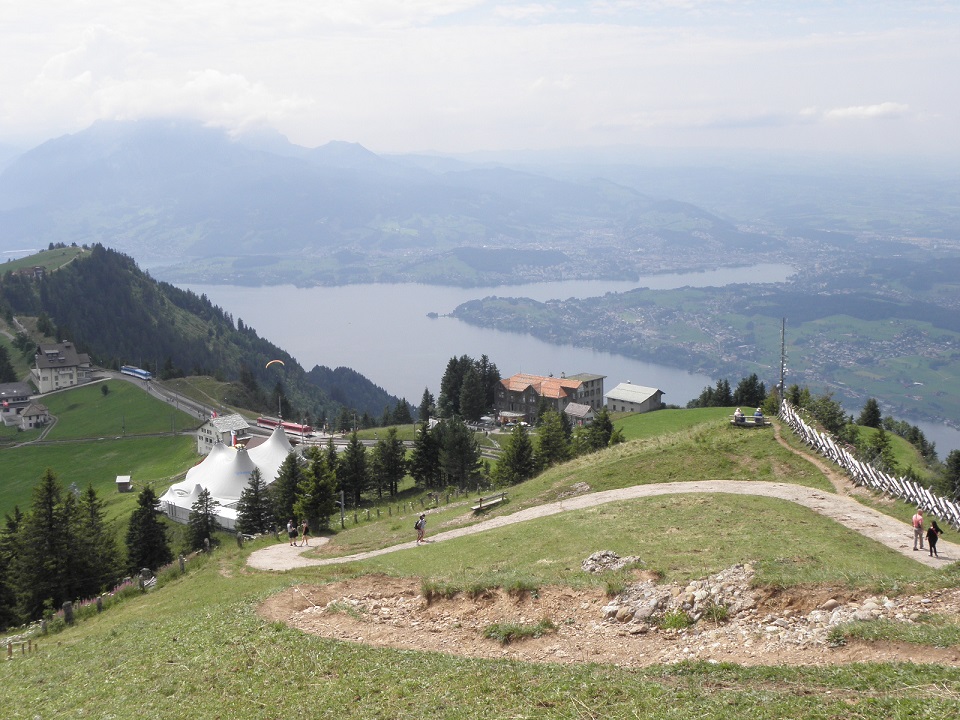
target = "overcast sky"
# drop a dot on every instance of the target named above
(462, 75)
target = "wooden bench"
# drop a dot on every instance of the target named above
(749, 421)
(485, 502)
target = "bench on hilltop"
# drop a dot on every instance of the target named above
(749, 421)
(485, 502)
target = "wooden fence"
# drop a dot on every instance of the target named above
(864, 474)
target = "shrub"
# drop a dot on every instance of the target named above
(676, 619)
(716, 612)
(506, 633)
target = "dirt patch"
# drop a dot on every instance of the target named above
(391, 612)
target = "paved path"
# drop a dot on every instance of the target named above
(870, 523)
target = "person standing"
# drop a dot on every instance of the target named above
(933, 534)
(918, 529)
(305, 533)
(421, 527)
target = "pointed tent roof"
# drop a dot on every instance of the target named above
(225, 473)
(270, 455)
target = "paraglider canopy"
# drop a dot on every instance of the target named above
(272, 362)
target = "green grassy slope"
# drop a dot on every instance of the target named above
(197, 648)
(96, 438)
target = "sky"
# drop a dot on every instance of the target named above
(460, 76)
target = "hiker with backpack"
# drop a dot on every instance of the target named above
(421, 526)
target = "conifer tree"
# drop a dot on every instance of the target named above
(352, 476)
(517, 461)
(7, 373)
(317, 501)
(472, 396)
(426, 406)
(202, 521)
(401, 413)
(41, 566)
(97, 544)
(147, 545)
(459, 453)
(553, 447)
(391, 459)
(870, 415)
(425, 458)
(8, 545)
(254, 508)
(600, 430)
(285, 489)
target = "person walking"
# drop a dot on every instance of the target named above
(918, 529)
(305, 533)
(421, 527)
(933, 534)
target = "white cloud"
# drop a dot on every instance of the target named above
(473, 74)
(869, 112)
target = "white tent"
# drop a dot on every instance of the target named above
(225, 474)
(269, 456)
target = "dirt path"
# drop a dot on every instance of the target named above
(786, 627)
(871, 523)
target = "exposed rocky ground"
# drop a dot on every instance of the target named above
(732, 622)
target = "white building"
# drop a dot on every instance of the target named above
(225, 429)
(627, 397)
(59, 366)
(14, 399)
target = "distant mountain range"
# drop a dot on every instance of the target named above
(190, 203)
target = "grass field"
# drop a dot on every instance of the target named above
(197, 648)
(96, 438)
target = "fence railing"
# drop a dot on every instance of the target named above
(865, 475)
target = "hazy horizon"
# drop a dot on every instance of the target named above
(865, 79)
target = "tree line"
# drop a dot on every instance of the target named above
(61, 548)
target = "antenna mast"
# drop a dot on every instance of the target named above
(783, 360)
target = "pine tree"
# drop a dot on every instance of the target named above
(254, 508)
(8, 548)
(202, 521)
(392, 458)
(472, 396)
(459, 453)
(516, 462)
(98, 545)
(750, 391)
(352, 475)
(401, 413)
(951, 471)
(7, 373)
(425, 458)
(553, 447)
(870, 416)
(450, 385)
(147, 545)
(600, 430)
(285, 489)
(42, 560)
(317, 502)
(426, 406)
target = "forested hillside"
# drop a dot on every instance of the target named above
(120, 315)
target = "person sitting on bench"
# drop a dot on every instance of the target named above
(738, 416)
(758, 416)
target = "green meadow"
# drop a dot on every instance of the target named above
(197, 648)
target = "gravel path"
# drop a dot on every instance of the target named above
(871, 523)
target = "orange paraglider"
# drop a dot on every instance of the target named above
(272, 362)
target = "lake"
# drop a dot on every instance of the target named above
(383, 332)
